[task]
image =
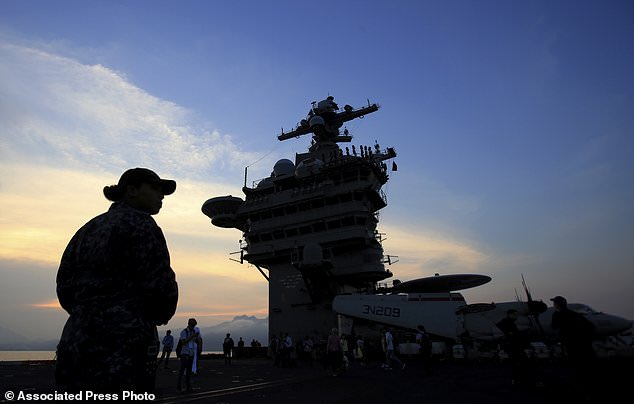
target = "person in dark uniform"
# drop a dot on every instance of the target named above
(576, 333)
(425, 344)
(116, 283)
(574, 330)
(227, 347)
(514, 344)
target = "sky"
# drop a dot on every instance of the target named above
(512, 122)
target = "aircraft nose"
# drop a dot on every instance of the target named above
(615, 325)
(625, 323)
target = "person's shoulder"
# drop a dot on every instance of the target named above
(124, 213)
(92, 223)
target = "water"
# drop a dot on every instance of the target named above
(49, 355)
(26, 355)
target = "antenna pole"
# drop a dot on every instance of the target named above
(245, 175)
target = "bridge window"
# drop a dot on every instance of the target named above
(347, 221)
(345, 197)
(361, 221)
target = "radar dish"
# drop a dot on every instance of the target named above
(283, 167)
(441, 283)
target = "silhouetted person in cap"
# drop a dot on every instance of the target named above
(575, 334)
(116, 283)
(574, 330)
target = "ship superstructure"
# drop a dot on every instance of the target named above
(312, 224)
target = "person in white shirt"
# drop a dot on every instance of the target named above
(187, 338)
(391, 356)
(197, 341)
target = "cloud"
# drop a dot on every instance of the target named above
(424, 254)
(42, 207)
(67, 129)
(50, 304)
(58, 111)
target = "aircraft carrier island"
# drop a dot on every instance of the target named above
(310, 227)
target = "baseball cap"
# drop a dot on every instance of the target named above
(138, 176)
(559, 300)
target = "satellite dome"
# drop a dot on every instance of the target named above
(283, 167)
(308, 167)
(265, 183)
(316, 121)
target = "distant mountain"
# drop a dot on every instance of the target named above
(247, 327)
(12, 341)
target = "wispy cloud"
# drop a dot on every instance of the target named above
(423, 254)
(66, 130)
(51, 304)
(58, 111)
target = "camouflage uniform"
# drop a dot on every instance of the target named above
(116, 283)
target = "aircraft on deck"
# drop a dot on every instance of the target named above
(434, 303)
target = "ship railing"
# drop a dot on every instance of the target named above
(379, 237)
(256, 201)
(390, 259)
(341, 159)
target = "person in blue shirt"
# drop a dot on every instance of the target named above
(168, 345)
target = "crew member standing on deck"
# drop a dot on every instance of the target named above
(188, 339)
(168, 345)
(576, 334)
(333, 351)
(227, 347)
(514, 345)
(116, 283)
(391, 356)
(198, 349)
